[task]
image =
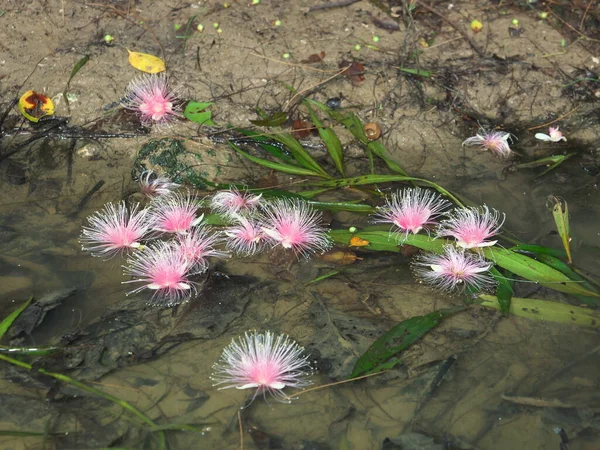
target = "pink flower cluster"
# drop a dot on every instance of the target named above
(167, 243)
(460, 266)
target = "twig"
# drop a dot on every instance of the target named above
(453, 25)
(569, 26)
(555, 120)
(239, 414)
(323, 386)
(332, 5)
(585, 13)
(537, 402)
(300, 93)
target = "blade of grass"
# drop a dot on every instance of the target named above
(356, 127)
(8, 321)
(287, 168)
(323, 277)
(560, 212)
(376, 179)
(117, 401)
(76, 68)
(504, 290)
(299, 153)
(331, 140)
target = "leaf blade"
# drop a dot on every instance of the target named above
(8, 320)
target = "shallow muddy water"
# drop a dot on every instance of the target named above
(477, 381)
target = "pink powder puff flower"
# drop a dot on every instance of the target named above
(454, 270)
(150, 96)
(294, 225)
(411, 209)
(115, 229)
(472, 226)
(175, 213)
(494, 141)
(246, 237)
(164, 269)
(198, 245)
(263, 361)
(555, 135)
(232, 202)
(152, 185)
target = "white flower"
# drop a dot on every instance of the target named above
(555, 135)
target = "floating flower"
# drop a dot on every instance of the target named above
(555, 135)
(164, 269)
(115, 229)
(198, 245)
(265, 362)
(294, 225)
(152, 185)
(472, 226)
(233, 202)
(494, 141)
(454, 270)
(246, 237)
(411, 209)
(150, 96)
(175, 213)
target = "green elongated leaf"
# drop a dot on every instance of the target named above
(299, 153)
(323, 277)
(534, 270)
(376, 179)
(541, 162)
(556, 164)
(331, 140)
(196, 112)
(342, 206)
(277, 119)
(29, 351)
(563, 267)
(287, 168)
(543, 310)
(76, 68)
(504, 290)
(539, 250)
(560, 212)
(356, 127)
(398, 339)
(267, 145)
(417, 72)
(17, 433)
(389, 241)
(8, 320)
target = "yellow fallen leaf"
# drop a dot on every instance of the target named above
(356, 241)
(34, 106)
(146, 63)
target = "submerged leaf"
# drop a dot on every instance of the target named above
(543, 310)
(281, 167)
(504, 290)
(398, 339)
(196, 112)
(277, 119)
(146, 63)
(8, 321)
(339, 257)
